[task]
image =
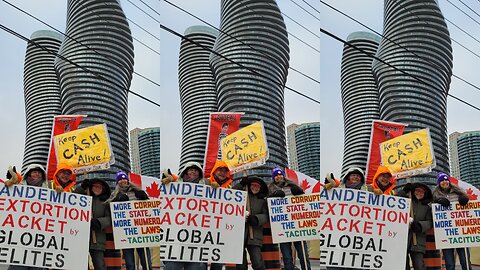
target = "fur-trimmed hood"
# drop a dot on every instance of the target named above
(188, 165)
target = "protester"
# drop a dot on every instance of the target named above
(444, 194)
(63, 179)
(220, 175)
(257, 216)
(126, 191)
(281, 187)
(192, 172)
(420, 222)
(383, 182)
(100, 192)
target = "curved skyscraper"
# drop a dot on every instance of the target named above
(359, 98)
(42, 96)
(259, 94)
(419, 27)
(96, 85)
(198, 97)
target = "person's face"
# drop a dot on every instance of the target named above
(419, 193)
(193, 173)
(354, 178)
(445, 184)
(64, 176)
(123, 182)
(383, 179)
(224, 129)
(97, 189)
(221, 173)
(36, 175)
(255, 187)
(278, 178)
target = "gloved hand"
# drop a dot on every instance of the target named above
(59, 189)
(443, 201)
(252, 220)
(121, 197)
(95, 224)
(214, 185)
(244, 181)
(167, 177)
(407, 188)
(278, 194)
(463, 200)
(13, 177)
(141, 195)
(416, 227)
(329, 181)
(328, 186)
(86, 184)
(377, 191)
(296, 190)
(410, 220)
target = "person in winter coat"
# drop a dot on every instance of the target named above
(100, 192)
(445, 193)
(383, 182)
(126, 191)
(421, 222)
(256, 217)
(63, 179)
(281, 187)
(220, 175)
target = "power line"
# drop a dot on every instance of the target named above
(111, 60)
(466, 14)
(148, 14)
(137, 25)
(312, 7)
(96, 74)
(293, 1)
(234, 62)
(469, 8)
(236, 39)
(392, 66)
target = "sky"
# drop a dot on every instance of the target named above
(460, 117)
(161, 68)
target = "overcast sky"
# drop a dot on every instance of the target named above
(162, 69)
(370, 12)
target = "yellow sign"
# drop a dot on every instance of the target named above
(85, 149)
(409, 154)
(246, 148)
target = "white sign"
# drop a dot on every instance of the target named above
(456, 226)
(359, 229)
(44, 228)
(136, 224)
(295, 218)
(201, 224)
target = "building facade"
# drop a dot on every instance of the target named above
(359, 98)
(134, 151)
(42, 96)
(292, 147)
(453, 147)
(466, 156)
(307, 137)
(95, 79)
(198, 97)
(149, 150)
(422, 48)
(253, 34)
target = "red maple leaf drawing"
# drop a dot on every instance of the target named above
(316, 188)
(153, 190)
(471, 195)
(305, 184)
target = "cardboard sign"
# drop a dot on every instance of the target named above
(409, 154)
(359, 229)
(457, 226)
(246, 148)
(43, 228)
(136, 224)
(201, 224)
(295, 218)
(87, 149)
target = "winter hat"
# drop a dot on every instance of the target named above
(441, 176)
(120, 175)
(277, 171)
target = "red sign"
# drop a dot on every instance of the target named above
(61, 124)
(381, 131)
(220, 125)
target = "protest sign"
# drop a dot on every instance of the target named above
(295, 218)
(61, 124)
(359, 229)
(201, 224)
(245, 148)
(220, 124)
(85, 150)
(381, 131)
(409, 154)
(457, 226)
(44, 228)
(136, 224)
